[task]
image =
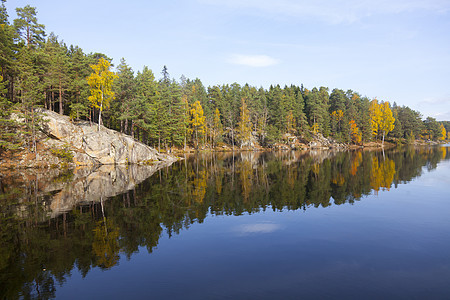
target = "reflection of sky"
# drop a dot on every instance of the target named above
(437, 177)
(257, 228)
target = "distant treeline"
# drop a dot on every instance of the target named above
(42, 71)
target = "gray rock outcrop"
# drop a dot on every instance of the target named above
(93, 147)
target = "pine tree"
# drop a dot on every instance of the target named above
(27, 26)
(125, 91)
(78, 88)
(9, 138)
(30, 87)
(57, 76)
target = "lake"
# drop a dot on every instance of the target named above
(248, 225)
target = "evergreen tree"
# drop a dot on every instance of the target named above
(57, 76)
(244, 130)
(31, 32)
(126, 92)
(432, 129)
(9, 138)
(78, 88)
(30, 89)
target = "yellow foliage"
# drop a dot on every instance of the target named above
(197, 120)
(355, 133)
(337, 115)
(443, 133)
(315, 128)
(375, 116)
(338, 179)
(356, 162)
(100, 83)
(382, 174)
(199, 186)
(387, 119)
(106, 244)
(246, 178)
(381, 117)
(290, 123)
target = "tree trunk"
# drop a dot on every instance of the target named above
(52, 101)
(100, 115)
(60, 98)
(132, 128)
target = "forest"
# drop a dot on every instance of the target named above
(38, 70)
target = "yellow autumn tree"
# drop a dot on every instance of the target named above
(375, 116)
(100, 83)
(387, 119)
(443, 132)
(197, 121)
(355, 133)
(337, 117)
(381, 117)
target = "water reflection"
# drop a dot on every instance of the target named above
(52, 223)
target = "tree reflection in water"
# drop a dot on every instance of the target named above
(41, 244)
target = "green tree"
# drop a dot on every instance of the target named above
(9, 138)
(27, 26)
(78, 88)
(57, 76)
(244, 130)
(432, 129)
(30, 89)
(125, 91)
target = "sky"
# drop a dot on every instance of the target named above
(392, 50)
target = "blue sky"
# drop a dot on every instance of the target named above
(394, 50)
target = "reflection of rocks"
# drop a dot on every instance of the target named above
(59, 192)
(93, 186)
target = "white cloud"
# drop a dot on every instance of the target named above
(253, 60)
(436, 100)
(257, 228)
(338, 11)
(443, 116)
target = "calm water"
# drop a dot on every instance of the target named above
(285, 225)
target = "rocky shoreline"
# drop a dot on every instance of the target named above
(63, 143)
